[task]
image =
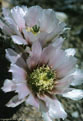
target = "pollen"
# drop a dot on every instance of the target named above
(35, 29)
(42, 79)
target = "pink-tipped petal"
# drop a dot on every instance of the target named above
(36, 49)
(32, 62)
(35, 54)
(15, 101)
(46, 53)
(8, 86)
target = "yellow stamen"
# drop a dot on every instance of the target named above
(42, 79)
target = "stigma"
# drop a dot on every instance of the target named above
(35, 29)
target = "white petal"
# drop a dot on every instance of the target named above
(34, 13)
(42, 105)
(5, 12)
(19, 40)
(22, 90)
(19, 74)
(75, 94)
(15, 101)
(70, 52)
(12, 26)
(56, 32)
(8, 86)
(16, 58)
(21, 63)
(78, 77)
(30, 37)
(48, 20)
(41, 37)
(55, 108)
(61, 16)
(44, 110)
(46, 116)
(66, 67)
(32, 101)
(7, 30)
(1, 24)
(25, 10)
(63, 84)
(17, 14)
(57, 42)
(11, 55)
(58, 58)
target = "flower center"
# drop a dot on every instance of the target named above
(35, 29)
(42, 79)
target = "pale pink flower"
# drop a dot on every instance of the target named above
(26, 25)
(38, 80)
